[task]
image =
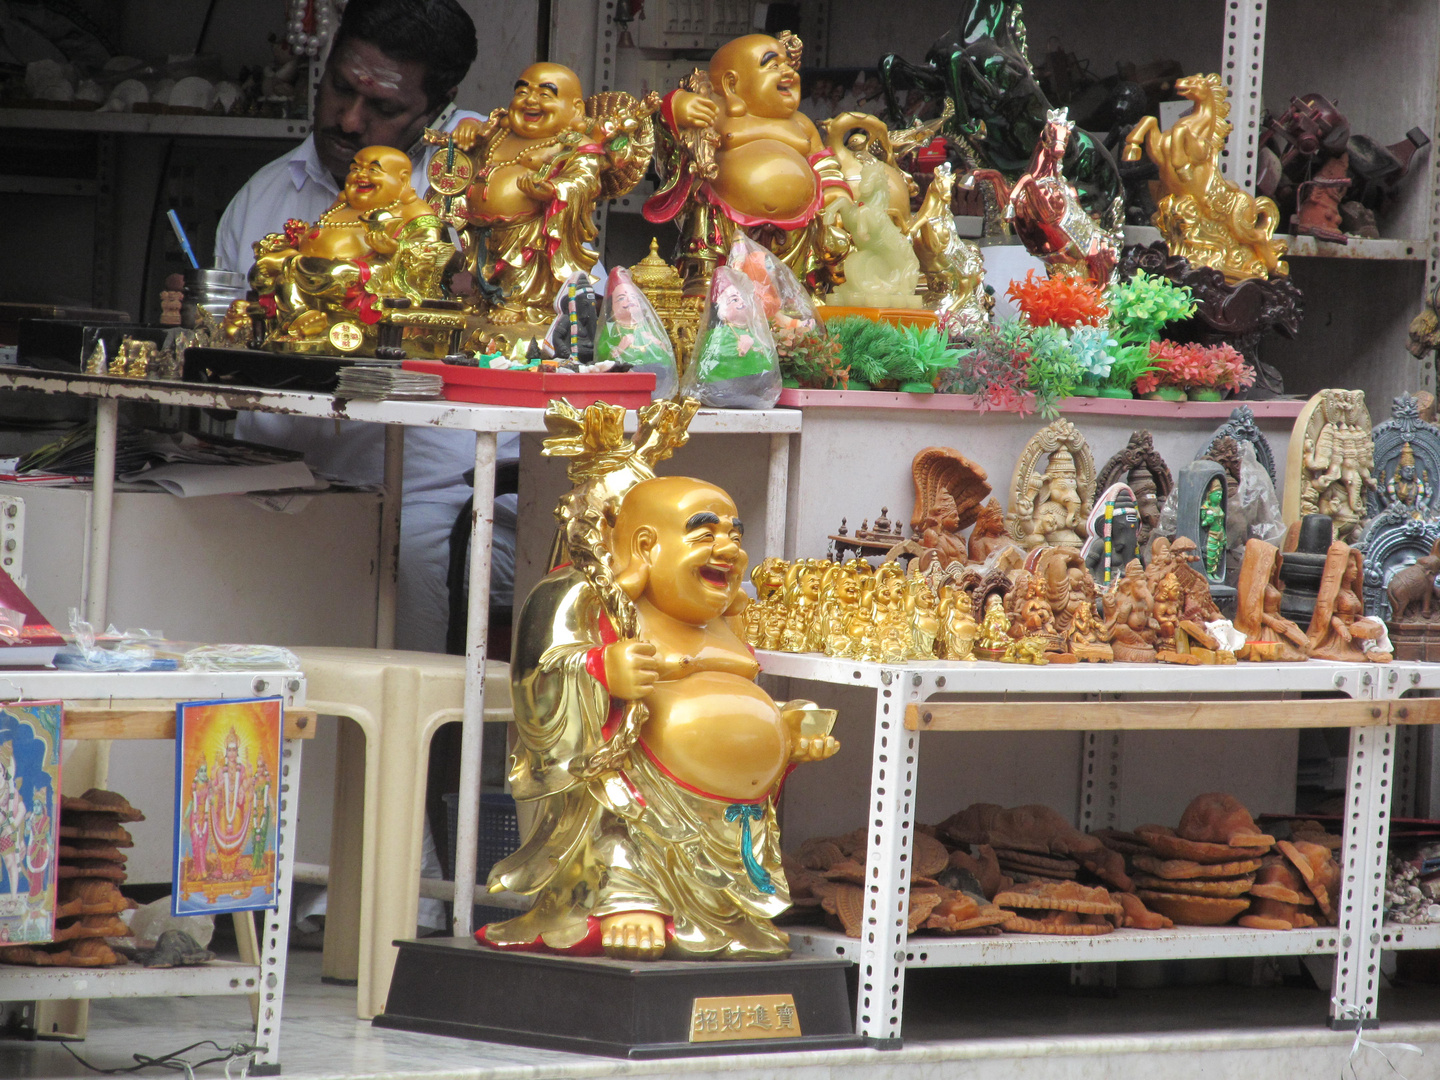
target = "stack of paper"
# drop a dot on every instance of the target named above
(382, 379)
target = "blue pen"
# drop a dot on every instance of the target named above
(184, 240)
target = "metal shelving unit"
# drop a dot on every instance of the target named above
(151, 693)
(930, 698)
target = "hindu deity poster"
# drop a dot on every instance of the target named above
(227, 757)
(29, 824)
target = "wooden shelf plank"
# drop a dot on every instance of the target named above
(154, 720)
(1148, 715)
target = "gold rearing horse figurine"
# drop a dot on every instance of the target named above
(1047, 214)
(1203, 216)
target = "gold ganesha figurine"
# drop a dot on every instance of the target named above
(365, 278)
(651, 758)
(735, 154)
(540, 167)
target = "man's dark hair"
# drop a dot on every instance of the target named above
(436, 33)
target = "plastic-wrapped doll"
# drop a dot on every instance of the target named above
(631, 333)
(787, 305)
(574, 311)
(735, 365)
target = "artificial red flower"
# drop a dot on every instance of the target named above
(1061, 300)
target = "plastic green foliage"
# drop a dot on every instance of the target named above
(1141, 307)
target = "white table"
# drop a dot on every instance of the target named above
(486, 421)
(141, 705)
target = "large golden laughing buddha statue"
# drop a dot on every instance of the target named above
(651, 759)
(736, 154)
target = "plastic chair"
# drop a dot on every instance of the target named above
(397, 700)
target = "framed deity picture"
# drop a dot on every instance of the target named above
(29, 823)
(227, 802)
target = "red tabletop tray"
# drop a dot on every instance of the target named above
(536, 389)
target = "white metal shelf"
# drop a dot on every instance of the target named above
(1407, 936)
(142, 123)
(219, 977)
(1181, 943)
(976, 677)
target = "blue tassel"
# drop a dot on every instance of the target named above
(746, 813)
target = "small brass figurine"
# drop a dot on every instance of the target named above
(736, 154)
(1202, 216)
(650, 756)
(543, 164)
(373, 259)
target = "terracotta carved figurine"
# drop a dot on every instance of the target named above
(541, 166)
(1129, 617)
(735, 154)
(650, 756)
(949, 491)
(1330, 462)
(1050, 501)
(1268, 634)
(1339, 629)
(1202, 216)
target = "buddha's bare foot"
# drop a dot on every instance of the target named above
(633, 935)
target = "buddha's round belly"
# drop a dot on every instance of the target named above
(718, 732)
(500, 196)
(339, 244)
(765, 179)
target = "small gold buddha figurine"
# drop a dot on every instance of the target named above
(802, 607)
(735, 154)
(922, 614)
(958, 628)
(764, 620)
(541, 166)
(839, 603)
(994, 635)
(1203, 216)
(324, 286)
(650, 757)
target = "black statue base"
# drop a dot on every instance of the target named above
(452, 986)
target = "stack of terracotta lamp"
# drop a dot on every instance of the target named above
(91, 869)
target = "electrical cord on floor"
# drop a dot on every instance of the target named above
(175, 1062)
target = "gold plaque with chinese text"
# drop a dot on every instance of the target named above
(752, 1016)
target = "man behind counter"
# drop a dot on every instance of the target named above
(394, 70)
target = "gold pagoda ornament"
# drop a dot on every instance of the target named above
(679, 314)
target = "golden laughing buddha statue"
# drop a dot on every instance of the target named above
(652, 759)
(541, 166)
(325, 287)
(736, 155)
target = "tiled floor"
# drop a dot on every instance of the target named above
(968, 1026)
